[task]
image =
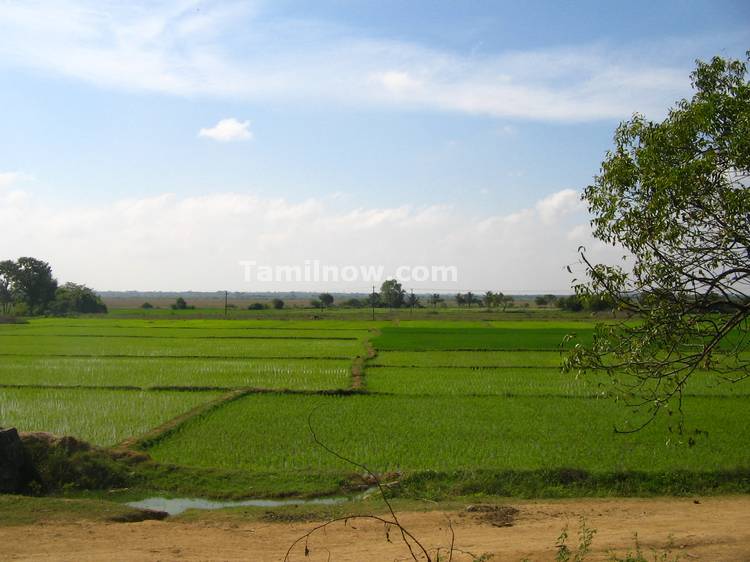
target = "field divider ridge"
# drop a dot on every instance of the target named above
(359, 363)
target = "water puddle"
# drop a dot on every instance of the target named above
(175, 506)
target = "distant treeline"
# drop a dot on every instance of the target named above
(28, 288)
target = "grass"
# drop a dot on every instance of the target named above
(293, 374)
(449, 433)
(22, 510)
(477, 358)
(466, 381)
(515, 381)
(487, 338)
(102, 417)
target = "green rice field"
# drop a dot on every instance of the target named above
(103, 417)
(420, 398)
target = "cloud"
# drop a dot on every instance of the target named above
(8, 179)
(229, 51)
(228, 130)
(559, 204)
(168, 242)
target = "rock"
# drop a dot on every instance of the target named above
(16, 471)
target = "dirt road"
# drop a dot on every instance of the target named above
(710, 529)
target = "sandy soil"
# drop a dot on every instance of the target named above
(711, 529)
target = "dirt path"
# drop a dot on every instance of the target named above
(715, 529)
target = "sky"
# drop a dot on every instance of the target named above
(161, 145)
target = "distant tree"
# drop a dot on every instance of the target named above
(435, 299)
(74, 298)
(180, 304)
(315, 303)
(277, 304)
(7, 281)
(374, 300)
(257, 306)
(541, 300)
(460, 299)
(507, 302)
(355, 303)
(470, 299)
(412, 301)
(570, 303)
(392, 294)
(326, 299)
(489, 299)
(147, 305)
(33, 284)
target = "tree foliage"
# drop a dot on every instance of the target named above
(392, 294)
(74, 298)
(674, 195)
(33, 284)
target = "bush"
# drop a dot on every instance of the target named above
(257, 306)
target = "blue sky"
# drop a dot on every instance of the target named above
(428, 118)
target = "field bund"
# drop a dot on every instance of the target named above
(445, 407)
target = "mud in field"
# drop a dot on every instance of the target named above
(710, 529)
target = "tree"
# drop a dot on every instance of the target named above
(181, 304)
(490, 299)
(412, 301)
(74, 298)
(460, 299)
(7, 280)
(435, 299)
(33, 284)
(392, 294)
(326, 299)
(570, 303)
(674, 195)
(278, 304)
(147, 306)
(506, 301)
(470, 299)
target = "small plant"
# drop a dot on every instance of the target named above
(585, 538)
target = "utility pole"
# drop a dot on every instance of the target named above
(226, 302)
(372, 301)
(411, 301)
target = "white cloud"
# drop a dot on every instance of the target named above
(559, 204)
(172, 242)
(228, 130)
(8, 179)
(226, 51)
